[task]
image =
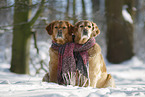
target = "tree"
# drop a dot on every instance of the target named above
(95, 5)
(67, 8)
(84, 14)
(4, 11)
(119, 32)
(22, 35)
(74, 12)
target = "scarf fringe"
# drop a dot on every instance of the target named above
(82, 80)
(73, 78)
(69, 78)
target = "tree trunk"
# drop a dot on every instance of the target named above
(4, 12)
(95, 5)
(67, 7)
(84, 17)
(119, 33)
(22, 35)
(74, 12)
(67, 10)
(96, 11)
(21, 38)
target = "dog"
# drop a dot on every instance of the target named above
(85, 30)
(61, 33)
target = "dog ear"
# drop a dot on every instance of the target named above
(49, 28)
(70, 27)
(95, 30)
(76, 26)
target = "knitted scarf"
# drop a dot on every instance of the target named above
(73, 59)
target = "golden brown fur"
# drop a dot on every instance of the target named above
(61, 33)
(84, 30)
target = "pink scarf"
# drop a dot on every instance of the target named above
(73, 59)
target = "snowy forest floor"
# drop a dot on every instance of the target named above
(129, 77)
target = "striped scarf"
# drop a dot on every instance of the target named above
(73, 60)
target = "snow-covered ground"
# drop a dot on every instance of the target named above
(129, 77)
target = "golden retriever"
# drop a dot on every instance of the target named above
(61, 33)
(83, 31)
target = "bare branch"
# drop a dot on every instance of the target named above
(41, 6)
(35, 41)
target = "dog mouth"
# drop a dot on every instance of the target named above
(59, 34)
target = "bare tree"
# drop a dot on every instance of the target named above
(84, 10)
(95, 5)
(3, 12)
(67, 8)
(22, 35)
(119, 32)
(74, 12)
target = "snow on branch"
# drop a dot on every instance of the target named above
(126, 14)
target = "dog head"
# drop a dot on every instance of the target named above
(60, 31)
(84, 30)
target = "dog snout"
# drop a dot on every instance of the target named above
(85, 32)
(59, 31)
(59, 34)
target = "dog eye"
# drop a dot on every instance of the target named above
(81, 26)
(56, 27)
(64, 27)
(89, 26)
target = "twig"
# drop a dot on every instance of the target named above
(42, 63)
(35, 41)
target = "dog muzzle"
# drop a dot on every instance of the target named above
(59, 34)
(85, 32)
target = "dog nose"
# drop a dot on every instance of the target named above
(85, 32)
(59, 34)
(60, 31)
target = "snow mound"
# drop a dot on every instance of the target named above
(129, 77)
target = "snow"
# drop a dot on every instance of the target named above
(126, 15)
(1, 31)
(129, 78)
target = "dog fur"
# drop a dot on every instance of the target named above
(61, 33)
(83, 31)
